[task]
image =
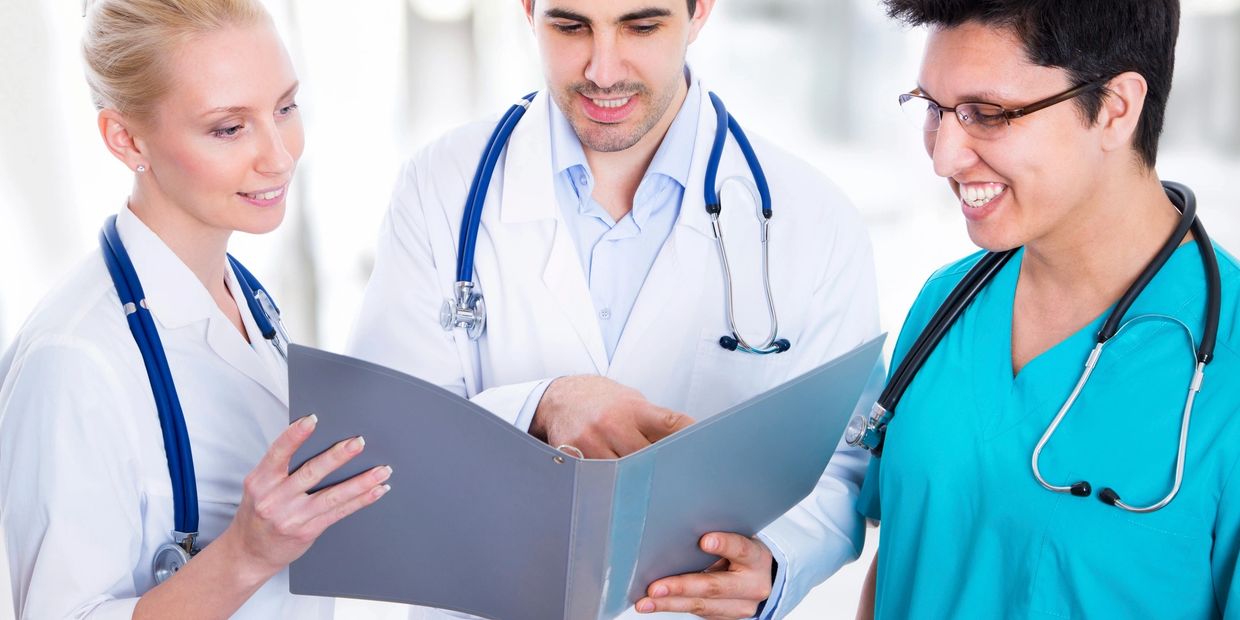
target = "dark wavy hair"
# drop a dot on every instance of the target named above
(1089, 39)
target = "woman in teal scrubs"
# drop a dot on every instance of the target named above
(967, 530)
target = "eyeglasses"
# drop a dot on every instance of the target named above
(985, 121)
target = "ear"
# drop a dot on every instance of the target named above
(528, 7)
(117, 136)
(700, 15)
(1121, 110)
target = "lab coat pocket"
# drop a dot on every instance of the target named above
(723, 378)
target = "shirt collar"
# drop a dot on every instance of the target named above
(672, 159)
(174, 294)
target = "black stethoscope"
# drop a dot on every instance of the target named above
(170, 557)
(870, 432)
(466, 308)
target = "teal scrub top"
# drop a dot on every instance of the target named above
(966, 529)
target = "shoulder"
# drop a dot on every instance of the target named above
(83, 306)
(1229, 320)
(74, 354)
(454, 154)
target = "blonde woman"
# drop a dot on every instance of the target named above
(197, 99)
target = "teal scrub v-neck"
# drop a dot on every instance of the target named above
(966, 529)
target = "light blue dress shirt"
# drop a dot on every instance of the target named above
(615, 255)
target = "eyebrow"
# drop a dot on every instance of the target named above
(648, 13)
(240, 109)
(985, 96)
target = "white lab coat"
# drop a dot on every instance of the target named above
(85, 495)
(541, 322)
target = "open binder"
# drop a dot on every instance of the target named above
(485, 519)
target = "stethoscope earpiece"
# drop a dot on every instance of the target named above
(1083, 489)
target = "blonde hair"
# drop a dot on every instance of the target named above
(127, 44)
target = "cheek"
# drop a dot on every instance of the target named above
(197, 166)
(294, 136)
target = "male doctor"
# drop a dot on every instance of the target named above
(604, 288)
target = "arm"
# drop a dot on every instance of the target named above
(75, 531)
(398, 325)
(1226, 555)
(865, 608)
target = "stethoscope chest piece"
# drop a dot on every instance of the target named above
(466, 310)
(169, 558)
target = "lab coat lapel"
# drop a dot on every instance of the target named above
(178, 300)
(528, 195)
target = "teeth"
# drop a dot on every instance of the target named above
(266, 195)
(610, 103)
(977, 196)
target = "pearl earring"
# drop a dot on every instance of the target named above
(141, 168)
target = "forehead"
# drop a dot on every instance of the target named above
(973, 62)
(237, 66)
(610, 10)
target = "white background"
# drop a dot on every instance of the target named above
(381, 77)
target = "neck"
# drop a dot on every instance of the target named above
(618, 174)
(1111, 239)
(201, 247)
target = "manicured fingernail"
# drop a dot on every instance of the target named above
(309, 421)
(659, 591)
(383, 473)
(357, 443)
(711, 543)
(645, 606)
(381, 491)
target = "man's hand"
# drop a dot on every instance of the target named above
(732, 588)
(603, 419)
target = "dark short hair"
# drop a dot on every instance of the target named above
(1090, 39)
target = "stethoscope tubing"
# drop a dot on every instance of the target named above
(870, 432)
(466, 307)
(171, 417)
(477, 188)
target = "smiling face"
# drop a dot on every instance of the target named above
(1029, 184)
(615, 67)
(223, 143)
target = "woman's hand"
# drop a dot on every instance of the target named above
(278, 520)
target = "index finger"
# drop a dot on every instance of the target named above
(658, 422)
(282, 449)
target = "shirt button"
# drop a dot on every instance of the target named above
(581, 180)
(604, 314)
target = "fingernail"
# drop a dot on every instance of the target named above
(357, 443)
(382, 490)
(711, 543)
(309, 421)
(383, 473)
(645, 607)
(660, 591)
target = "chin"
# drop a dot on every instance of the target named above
(261, 222)
(992, 238)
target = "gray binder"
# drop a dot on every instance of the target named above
(485, 519)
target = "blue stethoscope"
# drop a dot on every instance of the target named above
(870, 432)
(466, 309)
(170, 557)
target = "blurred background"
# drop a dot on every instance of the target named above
(380, 78)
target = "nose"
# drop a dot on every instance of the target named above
(274, 156)
(606, 67)
(950, 148)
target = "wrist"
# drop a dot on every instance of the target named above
(246, 567)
